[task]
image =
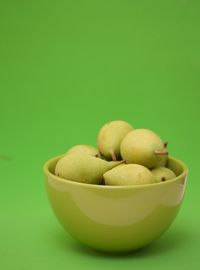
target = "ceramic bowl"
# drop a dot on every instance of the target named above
(116, 218)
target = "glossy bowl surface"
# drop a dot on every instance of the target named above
(115, 218)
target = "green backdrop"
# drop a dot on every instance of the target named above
(66, 68)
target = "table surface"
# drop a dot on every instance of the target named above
(68, 67)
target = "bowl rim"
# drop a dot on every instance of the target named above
(67, 181)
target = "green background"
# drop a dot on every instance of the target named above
(66, 68)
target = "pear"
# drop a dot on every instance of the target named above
(144, 147)
(128, 174)
(163, 174)
(110, 137)
(87, 149)
(84, 168)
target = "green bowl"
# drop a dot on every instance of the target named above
(116, 218)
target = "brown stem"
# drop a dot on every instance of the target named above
(122, 161)
(114, 158)
(161, 152)
(165, 144)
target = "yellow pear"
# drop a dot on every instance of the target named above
(87, 149)
(110, 137)
(85, 168)
(162, 174)
(144, 147)
(128, 174)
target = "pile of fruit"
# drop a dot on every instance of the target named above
(125, 156)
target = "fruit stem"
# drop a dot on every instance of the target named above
(114, 158)
(122, 161)
(165, 144)
(161, 152)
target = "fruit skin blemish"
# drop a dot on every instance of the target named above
(162, 174)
